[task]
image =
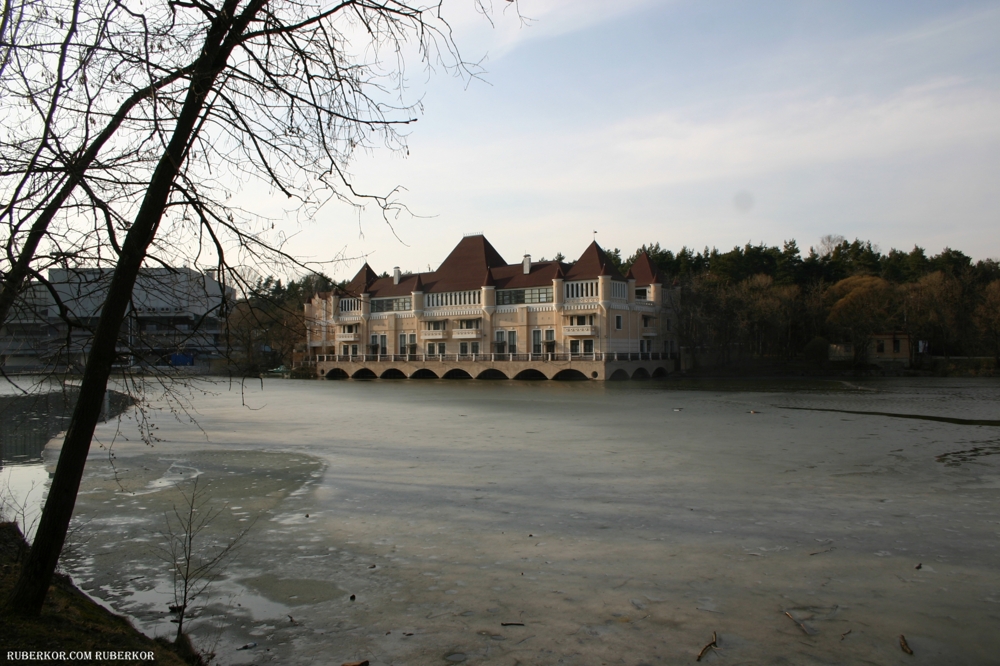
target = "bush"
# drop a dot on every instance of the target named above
(303, 372)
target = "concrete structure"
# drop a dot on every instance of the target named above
(174, 320)
(478, 316)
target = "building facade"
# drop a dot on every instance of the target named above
(175, 319)
(479, 316)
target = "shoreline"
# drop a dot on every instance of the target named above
(71, 621)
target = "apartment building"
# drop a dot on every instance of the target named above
(479, 316)
(174, 319)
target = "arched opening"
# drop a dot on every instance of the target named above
(336, 373)
(659, 372)
(530, 374)
(423, 373)
(570, 376)
(364, 373)
(492, 373)
(393, 373)
(640, 373)
(618, 375)
(457, 373)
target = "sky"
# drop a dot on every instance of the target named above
(698, 124)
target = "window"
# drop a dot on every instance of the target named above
(391, 304)
(383, 345)
(574, 346)
(896, 346)
(647, 321)
(468, 323)
(475, 347)
(550, 341)
(463, 348)
(618, 322)
(430, 348)
(588, 346)
(435, 325)
(536, 341)
(533, 295)
(880, 346)
(452, 298)
(640, 294)
(500, 344)
(354, 350)
(512, 342)
(347, 350)
(440, 348)
(402, 343)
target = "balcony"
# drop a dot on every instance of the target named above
(649, 331)
(466, 333)
(578, 331)
(348, 337)
(433, 335)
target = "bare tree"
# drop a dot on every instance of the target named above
(285, 92)
(194, 565)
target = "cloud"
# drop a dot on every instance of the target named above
(510, 25)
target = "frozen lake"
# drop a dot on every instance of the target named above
(569, 523)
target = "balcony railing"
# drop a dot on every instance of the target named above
(648, 331)
(578, 331)
(348, 337)
(433, 335)
(466, 333)
(488, 358)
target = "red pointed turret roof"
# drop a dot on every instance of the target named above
(359, 283)
(474, 263)
(645, 272)
(463, 269)
(592, 263)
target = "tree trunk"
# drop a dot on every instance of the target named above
(36, 574)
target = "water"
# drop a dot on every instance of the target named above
(578, 523)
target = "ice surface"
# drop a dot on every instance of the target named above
(578, 523)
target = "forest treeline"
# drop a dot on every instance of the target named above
(756, 302)
(770, 302)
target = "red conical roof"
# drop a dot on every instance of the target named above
(645, 271)
(359, 283)
(592, 263)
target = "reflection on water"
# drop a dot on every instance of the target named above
(28, 422)
(30, 416)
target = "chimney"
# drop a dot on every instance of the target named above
(395, 275)
(527, 264)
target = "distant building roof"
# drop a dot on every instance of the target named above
(474, 264)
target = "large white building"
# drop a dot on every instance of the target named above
(174, 319)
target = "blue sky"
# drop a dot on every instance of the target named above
(694, 123)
